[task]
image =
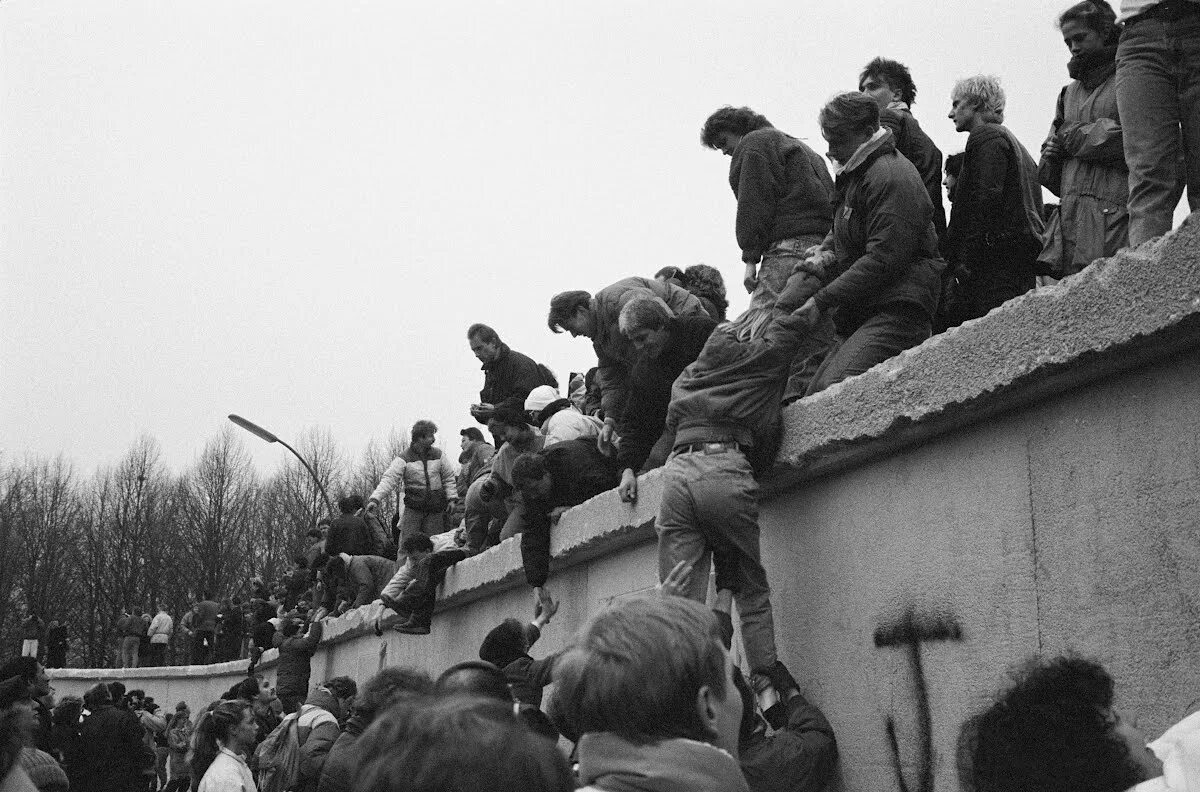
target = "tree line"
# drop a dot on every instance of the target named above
(81, 548)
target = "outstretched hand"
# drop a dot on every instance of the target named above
(627, 490)
(676, 581)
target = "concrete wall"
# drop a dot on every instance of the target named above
(1024, 484)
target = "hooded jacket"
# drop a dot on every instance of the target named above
(997, 193)
(609, 763)
(508, 379)
(614, 352)
(578, 471)
(885, 245)
(800, 757)
(783, 190)
(415, 474)
(644, 418)
(316, 730)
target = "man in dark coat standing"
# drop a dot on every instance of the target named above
(508, 376)
(111, 752)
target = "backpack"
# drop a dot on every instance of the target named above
(278, 757)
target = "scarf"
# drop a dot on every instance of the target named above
(862, 152)
(673, 765)
(1093, 67)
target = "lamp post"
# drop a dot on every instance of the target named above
(258, 431)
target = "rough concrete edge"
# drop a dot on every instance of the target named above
(1007, 359)
(151, 672)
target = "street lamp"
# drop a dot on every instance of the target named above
(258, 431)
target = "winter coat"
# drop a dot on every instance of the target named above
(884, 240)
(997, 194)
(614, 352)
(473, 462)
(111, 753)
(295, 654)
(161, 627)
(644, 418)
(507, 647)
(316, 730)
(206, 619)
(368, 575)
(415, 474)
(1093, 179)
(560, 421)
(732, 391)
(578, 471)
(508, 379)
(917, 148)
(783, 190)
(344, 758)
(349, 534)
(800, 757)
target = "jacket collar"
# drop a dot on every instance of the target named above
(556, 406)
(504, 350)
(673, 765)
(877, 144)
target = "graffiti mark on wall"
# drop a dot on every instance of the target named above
(908, 633)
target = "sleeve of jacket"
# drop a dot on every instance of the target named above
(638, 428)
(448, 478)
(612, 376)
(316, 748)
(989, 172)
(525, 376)
(392, 478)
(1050, 170)
(541, 672)
(535, 545)
(1101, 142)
(892, 238)
(313, 638)
(800, 757)
(364, 585)
(755, 204)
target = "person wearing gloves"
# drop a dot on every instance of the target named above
(428, 481)
(558, 418)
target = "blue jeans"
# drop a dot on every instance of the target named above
(1158, 97)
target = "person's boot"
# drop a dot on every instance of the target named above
(414, 626)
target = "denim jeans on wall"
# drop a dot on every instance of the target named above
(1158, 96)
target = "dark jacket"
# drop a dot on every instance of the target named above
(798, 758)
(474, 462)
(997, 193)
(884, 239)
(344, 758)
(526, 676)
(917, 148)
(732, 391)
(783, 190)
(316, 730)
(368, 575)
(578, 471)
(645, 414)
(295, 654)
(614, 352)
(206, 619)
(508, 379)
(111, 752)
(349, 534)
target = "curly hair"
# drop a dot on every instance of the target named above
(424, 428)
(895, 74)
(1052, 731)
(735, 120)
(706, 283)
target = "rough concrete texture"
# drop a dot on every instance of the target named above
(1025, 484)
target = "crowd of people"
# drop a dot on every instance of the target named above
(844, 271)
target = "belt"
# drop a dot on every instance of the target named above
(706, 448)
(1170, 10)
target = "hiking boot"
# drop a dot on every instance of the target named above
(411, 628)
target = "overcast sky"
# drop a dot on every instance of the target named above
(293, 210)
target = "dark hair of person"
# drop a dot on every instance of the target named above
(389, 686)
(213, 728)
(348, 504)
(335, 566)
(326, 521)
(11, 739)
(417, 746)
(527, 467)
(313, 533)
(670, 273)
(24, 667)
(1097, 15)
(472, 433)
(851, 112)
(342, 686)
(484, 333)
(510, 416)
(97, 695)
(636, 668)
(289, 627)
(564, 305)
(954, 164)
(706, 282)
(417, 543)
(117, 691)
(895, 74)
(735, 120)
(424, 428)
(1052, 731)
(248, 689)
(475, 678)
(504, 644)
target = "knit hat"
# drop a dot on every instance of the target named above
(540, 398)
